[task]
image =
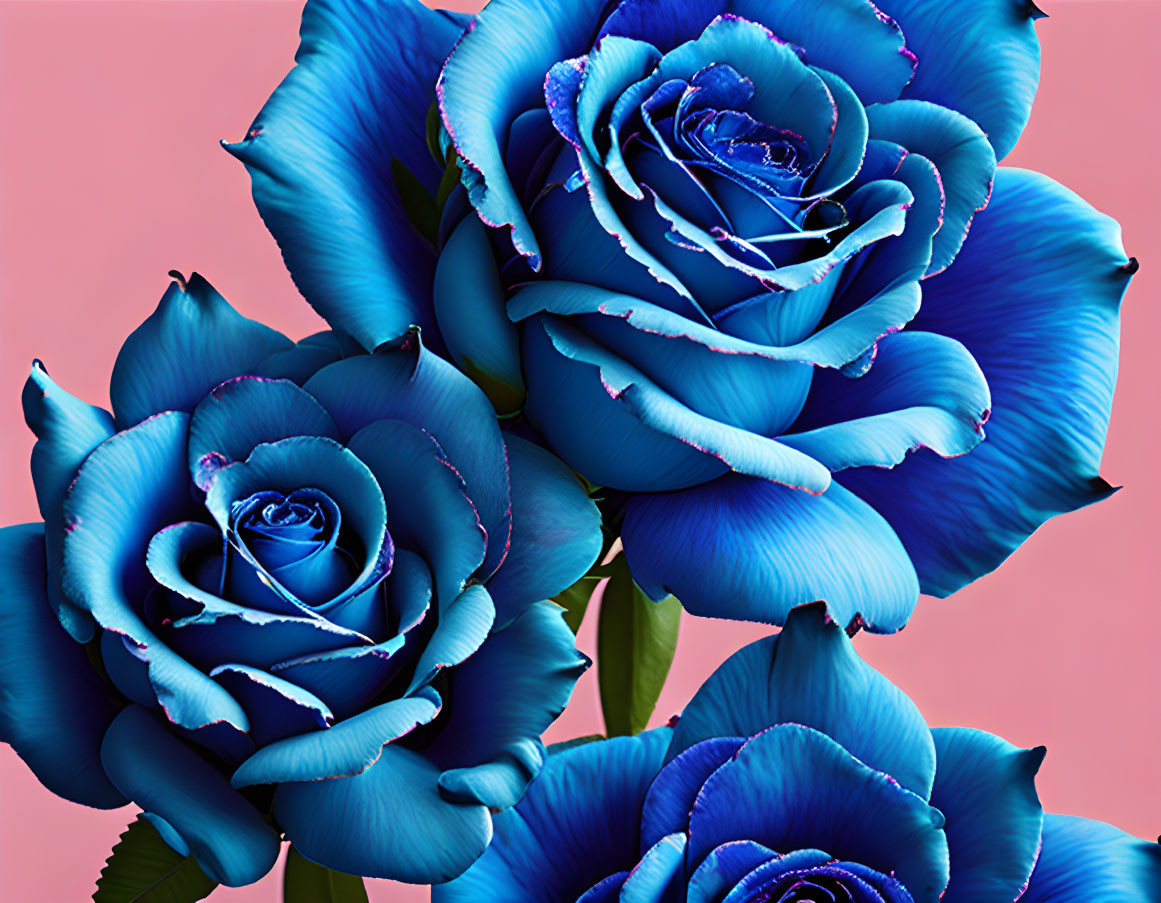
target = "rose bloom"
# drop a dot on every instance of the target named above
(748, 266)
(301, 594)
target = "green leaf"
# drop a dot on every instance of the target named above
(304, 881)
(451, 179)
(575, 600)
(555, 748)
(143, 868)
(636, 639)
(418, 205)
(433, 129)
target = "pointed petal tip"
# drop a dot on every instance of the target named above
(179, 280)
(1034, 12)
(1131, 268)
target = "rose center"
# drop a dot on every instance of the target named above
(291, 543)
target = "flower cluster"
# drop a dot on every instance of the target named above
(735, 286)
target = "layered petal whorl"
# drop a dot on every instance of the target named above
(286, 571)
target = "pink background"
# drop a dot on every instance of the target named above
(110, 175)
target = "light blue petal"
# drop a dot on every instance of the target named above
(428, 509)
(826, 31)
(413, 384)
(960, 151)
(923, 391)
(793, 788)
(347, 748)
(982, 59)
(496, 72)
(504, 697)
(658, 872)
(228, 837)
(387, 822)
(810, 674)
(191, 343)
(463, 627)
(624, 431)
(1036, 301)
(128, 489)
(986, 789)
(276, 707)
(54, 709)
(67, 430)
(469, 307)
(556, 531)
(321, 154)
(243, 413)
(577, 825)
(736, 383)
(833, 345)
(750, 549)
(1084, 861)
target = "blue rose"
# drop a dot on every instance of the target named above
(798, 773)
(302, 591)
(734, 283)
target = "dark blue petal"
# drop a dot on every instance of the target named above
(606, 891)
(753, 550)
(228, 837)
(986, 789)
(502, 699)
(67, 430)
(723, 868)
(579, 247)
(414, 385)
(810, 674)
(1036, 301)
(387, 822)
(321, 156)
(192, 342)
(347, 748)
(322, 464)
(472, 322)
(577, 825)
(923, 391)
(804, 870)
(1083, 861)
(243, 413)
(615, 425)
(54, 709)
(670, 799)
(793, 788)
(308, 356)
(128, 489)
(496, 72)
(982, 59)
(556, 531)
(824, 31)
(961, 153)
(428, 510)
(224, 631)
(346, 679)
(276, 707)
